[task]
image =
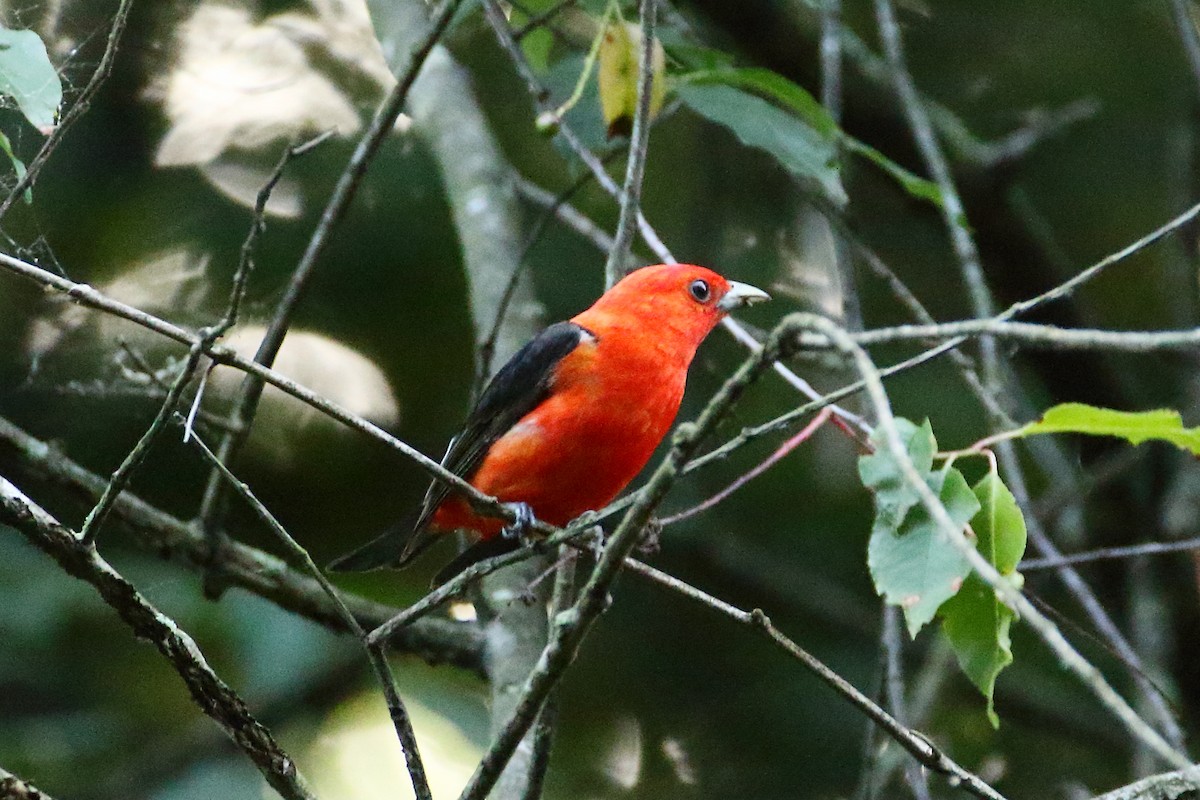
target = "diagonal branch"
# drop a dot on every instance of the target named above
(339, 202)
(915, 743)
(214, 696)
(1008, 593)
(14, 788)
(375, 653)
(435, 640)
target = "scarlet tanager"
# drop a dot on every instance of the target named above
(573, 417)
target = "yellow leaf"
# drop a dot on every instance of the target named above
(618, 76)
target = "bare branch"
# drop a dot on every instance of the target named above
(214, 697)
(339, 202)
(1186, 26)
(893, 684)
(1037, 335)
(1110, 554)
(1180, 785)
(375, 654)
(120, 479)
(639, 140)
(13, 788)
(917, 744)
(435, 640)
(1068, 656)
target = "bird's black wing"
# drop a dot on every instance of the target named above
(514, 391)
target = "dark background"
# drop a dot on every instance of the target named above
(87, 713)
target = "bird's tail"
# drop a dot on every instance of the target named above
(487, 548)
(392, 549)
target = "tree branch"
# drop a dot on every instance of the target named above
(639, 141)
(434, 640)
(13, 788)
(1068, 656)
(339, 202)
(1180, 785)
(214, 697)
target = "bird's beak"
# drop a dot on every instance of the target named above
(741, 294)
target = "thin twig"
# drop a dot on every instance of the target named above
(566, 213)
(1079, 589)
(343, 194)
(241, 275)
(917, 744)
(1186, 27)
(77, 109)
(124, 473)
(214, 697)
(1110, 554)
(788, 446)
(487, 348)
(894, 691)
(1068, 656)
(1030, 333)
(436, 640)
(1180, 785)
(543, 730)
(831, 98)
(375, 653)
(544, 18)
(953, 213)
(635, 165)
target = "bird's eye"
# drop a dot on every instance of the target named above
(699, 291)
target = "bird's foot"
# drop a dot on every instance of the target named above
(522, 526)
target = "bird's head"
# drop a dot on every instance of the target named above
(683, 300)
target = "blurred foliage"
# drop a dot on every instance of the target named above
(666, 700)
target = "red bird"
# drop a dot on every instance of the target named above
(573, 417)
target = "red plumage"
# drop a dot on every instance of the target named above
(577, 413)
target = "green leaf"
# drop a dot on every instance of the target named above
(999, 525)
(975, 621)
(18, 165)
(912, 562)
(537, 45)
(28, 77)
(792, 97)
(977, 626)
(916, 567)
(771, 86)
(1133, 426)
(682, 50)
(915, 185)
(804, 150)
(880, 473)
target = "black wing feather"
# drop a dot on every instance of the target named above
(512, 393)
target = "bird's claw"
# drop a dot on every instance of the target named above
(522, 525)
